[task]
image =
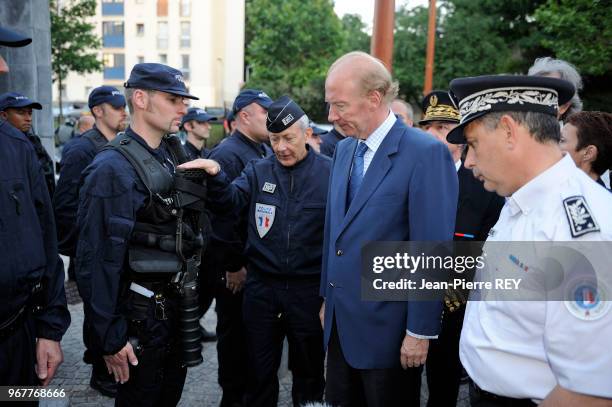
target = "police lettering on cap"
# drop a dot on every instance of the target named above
(17, 100)
(477, 96)
(159, 77)
(197, 114)
(282, 114)
(438, 106)
(106, 94)
(248, 96)
(10, 38)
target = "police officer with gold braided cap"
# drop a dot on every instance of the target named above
(529, 352)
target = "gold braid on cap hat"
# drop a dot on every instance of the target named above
(441, 112)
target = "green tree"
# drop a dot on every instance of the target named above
(357, 39)
(579, 31)
(289, 47)
(74, 43)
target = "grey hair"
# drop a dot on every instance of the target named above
(304, 123)
(548, 66)
(542, 127)
(408, 107)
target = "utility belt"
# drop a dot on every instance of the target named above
(477, 394)
(16, 321)
(147, 293)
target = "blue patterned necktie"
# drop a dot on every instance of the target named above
(357, 172)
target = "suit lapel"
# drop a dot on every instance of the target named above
(344, 157)
(379, 167)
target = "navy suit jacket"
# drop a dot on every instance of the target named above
(409, 192)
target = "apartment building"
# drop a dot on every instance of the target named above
(202, 38)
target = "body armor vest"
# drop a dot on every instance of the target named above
(153, 244)
(96, 138)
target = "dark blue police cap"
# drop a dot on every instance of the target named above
(197, 114)
(248, 96)
(477, 96)
(106, 94)
(231, 116)
(159, 77)
(17, 100)
(10, 38)
(282, 114)
(317, 130)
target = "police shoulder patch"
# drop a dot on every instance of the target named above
(579, 216)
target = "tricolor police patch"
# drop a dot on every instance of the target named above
(579, 216)
(588, 302)
(264, 218)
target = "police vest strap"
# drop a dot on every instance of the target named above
(151, 172)
(96, 138)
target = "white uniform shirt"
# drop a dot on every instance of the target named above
(523, 349)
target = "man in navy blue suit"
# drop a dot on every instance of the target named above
(388, 183)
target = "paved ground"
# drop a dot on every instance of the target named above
(201, 388)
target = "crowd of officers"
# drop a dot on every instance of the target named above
(267, 245)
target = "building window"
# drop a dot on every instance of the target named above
(185, 66)
(140, 30)
(163, 58)
(112, 34)
(162, 35)
(114, 66)
(140, 59)
(185, 34)
(87, 91)
(185, 8)
(162, 8)
(112, 7)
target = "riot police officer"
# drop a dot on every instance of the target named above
(284, 198)
(135, 242)
(33, 312)
(16, 109)
(107, 106)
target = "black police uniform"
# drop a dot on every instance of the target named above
(77, 154)
(28, 249)
(329, 141)
(225, 253)
(193, 152)
(45, 161)
(284, 267)
(112, 200)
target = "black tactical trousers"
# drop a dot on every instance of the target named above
(159, 377)
(17, 360)
(272, 311)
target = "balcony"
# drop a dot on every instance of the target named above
(112, 9)
(113, 41)
(117, 72)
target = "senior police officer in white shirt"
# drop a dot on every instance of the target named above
(518, 353)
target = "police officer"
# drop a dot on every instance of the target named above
(196, 123)
(329, 141)
(313, 137)
(17, 110)
(225, 253)
(284, 198)
(477, 212)
(107, 106)
(33, 312)
(127, 251)
(527, 352)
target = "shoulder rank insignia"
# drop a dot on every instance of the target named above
(269, 187)
(579, 216)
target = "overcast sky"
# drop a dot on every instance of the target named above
(365, 8)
